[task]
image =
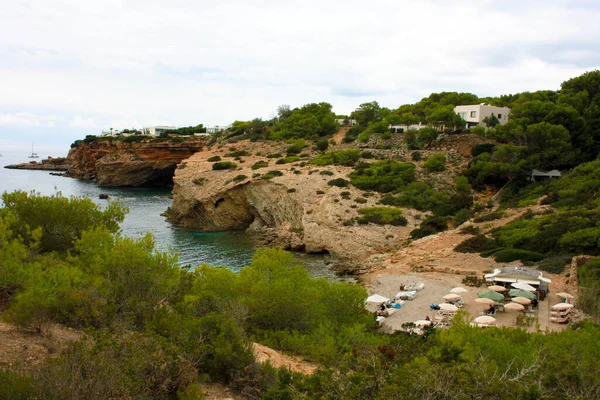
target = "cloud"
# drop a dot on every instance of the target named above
(81, 122)
(26, 119)
(141, 62)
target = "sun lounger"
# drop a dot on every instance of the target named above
(406, 295)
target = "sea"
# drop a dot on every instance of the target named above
(233, 249)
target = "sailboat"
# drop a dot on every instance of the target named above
(33, 155)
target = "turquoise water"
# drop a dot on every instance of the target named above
(230, 249)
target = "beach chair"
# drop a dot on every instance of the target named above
(560, 320)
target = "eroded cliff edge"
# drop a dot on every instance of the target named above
(297, 210)
(117, 163)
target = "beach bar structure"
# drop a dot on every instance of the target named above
(508, 275)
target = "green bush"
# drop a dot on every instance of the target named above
(382, 216)
(296, 147)
(430, 226)
(482, 148)
(509, 255)
(238, 153)
(326, 172)
(337, 157)
(339, 182)
(499, 213)
(416, 156)
(476, 244)
(214, 159)
(360, 200)
(382, 176)
(435, 163)
(221, 165)
(260, 164)
(461, 217)
(272, 174)
(239, 178)
(274, 155)
(320, 192)
(322, 144)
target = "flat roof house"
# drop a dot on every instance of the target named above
(156, 130)
(475, 114)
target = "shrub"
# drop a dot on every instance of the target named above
(435, 163)
(383, 176)
(260, 164)
(272, 174)
(238, 153)
(368, 154)
(345, 195)
(382, 216)
(296, 147)
(508, 255)
(482, 148)
(339, 182)
(461, 217)
(199, 181)
(320, 192)
(360, 200)
(221, 165)
(326, 172)
(214, 159)
(322, 144)
(478, 130)
(274, 155)
(239, 178)
(476, 244)
(430, 226)
(490, 216)
(416, 156)
(338, 157)
(291, 190)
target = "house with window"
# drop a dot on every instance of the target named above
(475, 114)
(156, 130)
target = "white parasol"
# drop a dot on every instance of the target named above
(521, 300)
(497, 288)
(523, 286)
(485, 319)
(514, 307)
(376, 298)
(484, 300)
(458, 290)
(451, 297)
(562, 306)
(448, 307)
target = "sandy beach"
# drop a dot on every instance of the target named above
(436, 286)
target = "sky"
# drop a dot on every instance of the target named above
(70, 68)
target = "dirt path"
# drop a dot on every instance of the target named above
(338, 137)
(280, 360)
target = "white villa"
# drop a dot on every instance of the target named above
(475, 114)
(217, 128)
(156, 130)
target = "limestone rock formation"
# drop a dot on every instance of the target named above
(49, 164)
(297, 210)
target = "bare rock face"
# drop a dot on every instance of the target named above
(49, 164)
(297, 210)
(115, 163)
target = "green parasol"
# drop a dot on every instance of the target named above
(491, 295)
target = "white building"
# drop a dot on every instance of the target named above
(475, 114)
(346, 121)
(218, 128)
(156, 130)
(404, 128)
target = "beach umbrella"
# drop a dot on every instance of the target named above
(451, 297)
(448, 307)
(565, 295)
(485, 319)
(521, 300)
(458, 290)
(490, 295)
(422, 322)
(514, 307)
(376, 298)
(562, 306)
(523, 286)
(497, 288)
(484, 300)
(521, 293)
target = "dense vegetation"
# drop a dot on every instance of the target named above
(155, 330)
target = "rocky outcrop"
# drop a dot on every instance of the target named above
(49, 164)
(297, 210)
(115, 163)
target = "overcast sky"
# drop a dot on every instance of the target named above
(74, 67)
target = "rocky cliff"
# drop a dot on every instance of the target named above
(297, 210)
(115, 163)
